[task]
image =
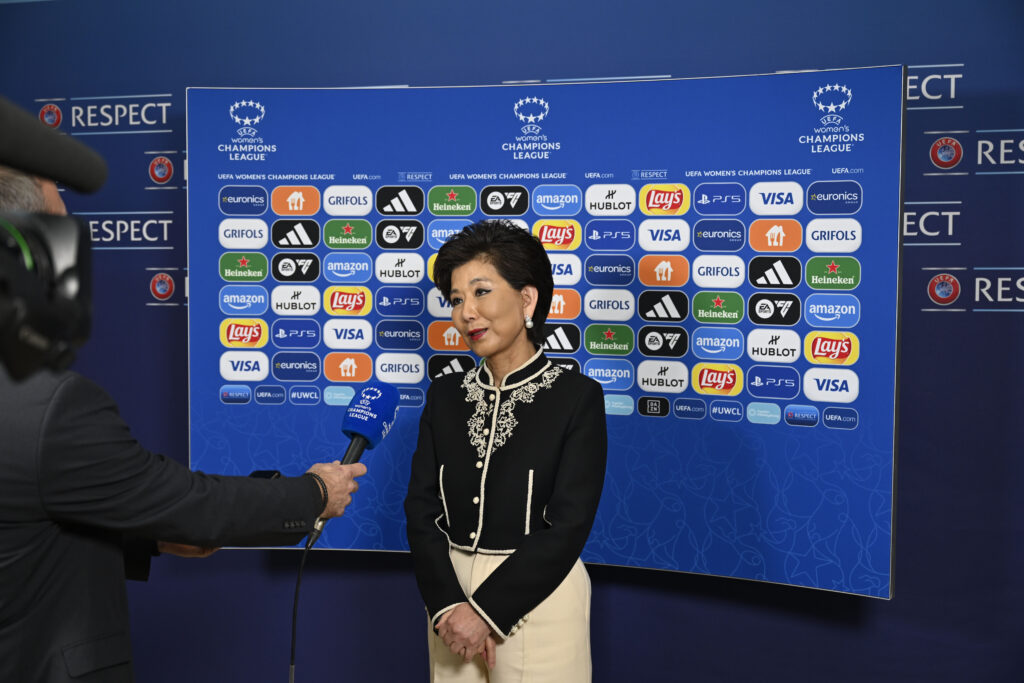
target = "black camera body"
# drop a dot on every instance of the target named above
(45, 291)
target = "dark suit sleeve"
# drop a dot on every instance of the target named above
(435, 575)
(93, 472)
(544, 558)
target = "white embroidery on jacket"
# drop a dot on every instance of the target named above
(507, 421)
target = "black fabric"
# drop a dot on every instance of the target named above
(554, 436)
(73, 485)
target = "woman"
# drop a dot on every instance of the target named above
(506, 476)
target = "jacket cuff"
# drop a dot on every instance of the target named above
(441, 612)
(502, 633)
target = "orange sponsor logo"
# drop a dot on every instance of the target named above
(776, 234)
(442, 336)
(348, 367)
(665, 199)
(563, 235)
(348, 301)
(243, 333)
(664, 270)
(717, 379)
(566, 304)
(295, 200)
(831, 348)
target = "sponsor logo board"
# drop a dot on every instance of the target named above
(242, 233)
(664, 341)
(451, 200)
(689, 408)
(440, 229)
(351, 267)
(727, 411)
(612, 374)
(717, 379)
(832, 310)
(295, 200)
(295, 233)
(718, 271)
(834, 197)
(558, 234)
(831, 385)
(348, 200)
(775, 272)
(347, 233)
(244, 333)
(719, 199)
(504, 200)
(243, 200)
(354, 301)
(662, 376)
(773, 346)
(341, 334)
(605, 234)
(561, 338)
(400, 368)
(660, 305)
(400, 267)
(610, 200)
(400, 302)
(834, 235)
(399, 200)
(442, 365)
(763, 413)
(717, 343)
(773, 308)
(800, 415)
(666, 199)
(653, 406)
(609, 304)
(719, 234)
(566, 269)
(295, 333)
(773, 381)
(566, 304)
(295, 267)
(663, 270)
(724, 308)
(664, 234)
(397, 233)
(244, 366)
(608, 340)
(832, 272)
(244, 300)
(399, 335)
(831, 348)
(557, 200)
(776, 198)
(295, 300)
(778, 234)
(249, 266)
(443, 336)
(342, 366)
(296, 366)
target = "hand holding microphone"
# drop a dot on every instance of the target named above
(341, 483)
(369, 418)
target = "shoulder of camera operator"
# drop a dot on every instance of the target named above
(69, 459)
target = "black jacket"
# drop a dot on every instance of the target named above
(514, 470)
(73, 485)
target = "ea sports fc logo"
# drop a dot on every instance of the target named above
(51, 115)
(946, 153)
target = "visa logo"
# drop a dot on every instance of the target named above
(244, 365)
(777, 198)
(348, 334)
(832, 384)
(661, 235)
(562, 269)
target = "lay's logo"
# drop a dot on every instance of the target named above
(243, 333)
(665, 200)
(718, 379)
(563, 235)
(831, 348)
(348, 301)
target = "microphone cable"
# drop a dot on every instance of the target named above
(314, 536)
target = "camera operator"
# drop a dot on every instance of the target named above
(76, 487)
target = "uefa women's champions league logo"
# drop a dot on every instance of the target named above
(247, 114)
(531, 111)
(830, 99)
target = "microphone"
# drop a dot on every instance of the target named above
(369, 418)
(26, 144)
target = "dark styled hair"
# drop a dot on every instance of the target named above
(518, 256)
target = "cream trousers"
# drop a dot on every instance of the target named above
(552, 646)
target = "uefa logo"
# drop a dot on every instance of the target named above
(531, 111)
(247, 114)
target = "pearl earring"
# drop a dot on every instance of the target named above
(529, 323)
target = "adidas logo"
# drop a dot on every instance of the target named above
(664, 309)
(296, 237)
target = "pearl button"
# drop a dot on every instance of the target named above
(476, 500)
(479, 464)
(486, 431)
(490, 397)
(472, 534)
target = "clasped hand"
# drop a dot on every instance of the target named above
(466, 634)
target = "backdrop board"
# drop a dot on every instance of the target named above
(726, 260)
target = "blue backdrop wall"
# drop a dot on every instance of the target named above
(958, 598)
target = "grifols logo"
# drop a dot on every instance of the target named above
(348, 300)
(665, 199)
(558, 234)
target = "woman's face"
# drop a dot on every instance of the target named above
(489, 313)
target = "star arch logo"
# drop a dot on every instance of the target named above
(247, 114)
(531, 111)
(829, 99)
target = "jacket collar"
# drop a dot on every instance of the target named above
(529, 370)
